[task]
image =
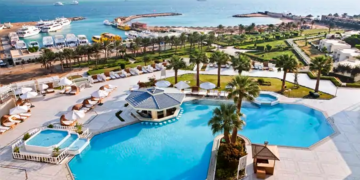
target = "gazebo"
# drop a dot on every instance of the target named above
(264, 157)
(155, 104)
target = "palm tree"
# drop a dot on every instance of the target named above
(197, 58)
(160, 40)
(177, 63)
(331, 26)
(220, 28)
(224, 119)
(60, 57)
(166, 40)
(88, 51)
(287, 63)
(219, 58)
(183, 39)
(176, 43)
(68, 53)
(243, 88)
(241, 28)
(145, 43)
(146, 59)
(211, 38)
(202, 38)
(241, 63)
(96, 47)
(106, 47)
(46, 59)
(321, 65)
(117, 45)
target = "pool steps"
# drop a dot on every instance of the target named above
(165, 121)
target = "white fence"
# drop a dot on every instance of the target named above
(41, 158)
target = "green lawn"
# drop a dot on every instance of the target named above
(308, 49)
(275, 85)
(271, 55)
(313, 31)
(273, 44)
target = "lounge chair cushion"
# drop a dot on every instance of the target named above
(18, 117)
(67, 122)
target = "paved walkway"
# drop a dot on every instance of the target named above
(336, 159)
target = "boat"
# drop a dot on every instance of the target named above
(96, 39)
(51, 28)
(8, 25)
(13, 37)
(20, 45)
(107, 23)
(2, 26)
(109, 37)
(26, 31)
(59, 4)
(33, 44)
(124, 27)
(71, 40)
(59, 41)
(131, 34)
(75, 3)
(40, 24)
(48, 42)
(82, 40)
(63, 21)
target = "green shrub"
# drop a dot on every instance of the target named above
(126, 104)
(260, 48)
(122, 65)
(353, 85)
(26, 136)
(268, 47)
(50, 126)
(118, 116)
(261, 81)
(17, 149)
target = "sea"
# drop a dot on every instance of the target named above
(194, 13)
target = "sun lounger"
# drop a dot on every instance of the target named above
(139, 69)
(108, 76)
(202, 92)
(4, 129)
(5, 121)
(127, 74)
(65, 122)
(50, 89)
(113, 75)
(74, 90)
(144, 69)
(158, 67)
(25, 114)
(133, 72)
(187, 91)
(100, 78)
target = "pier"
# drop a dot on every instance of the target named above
(249, 15)
(123, 20)
(76, 18)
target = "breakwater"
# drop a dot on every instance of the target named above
(249, 15)
(126, 19)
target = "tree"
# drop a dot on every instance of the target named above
(243, 88)
(331, 26)
(219, 58)
(176, 63)
(324, 49)
(241, 28)
(287, 63)
(321, 65)
(224, 119)
(68, 53)
(197, 58)
(60, 57)
(146, 59)
(220, 28)
(182, 38)
(241, 63)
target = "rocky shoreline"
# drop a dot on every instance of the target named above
(249, 15)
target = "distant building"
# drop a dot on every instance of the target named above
(346, 54)
(340, 20)
(333, 36)
(349, 33)
(23, 56)
(333, 45)
(138, 25)
(349, 63)
(306, 26)
(274, 14)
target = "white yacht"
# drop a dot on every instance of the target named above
(132, 34)
(42, 23)
(59, 41)
(33, 44)
(107, 23)
(82, 40)
(13, 37)
(75, 3)
(48, 42)
(51, 28)
(20, 45)
(59, 4)
(2, 26)
(71, 40)
(27, 31)
(63, 21)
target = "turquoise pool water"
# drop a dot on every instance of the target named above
(47, 138)
(266, 98)
(182, 149)
(69, 141)
(78, 144)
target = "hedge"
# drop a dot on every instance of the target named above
(353, 85)
(332, 79)
(118, 116)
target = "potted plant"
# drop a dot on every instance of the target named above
(26, 136)
(56, 152)
(79, 128)
(16, 149)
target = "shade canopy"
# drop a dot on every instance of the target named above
(162, 84)
(29, 95)
(44, 86)
(99, 94)
(182, 85)
(22, 90)
(112, 86)
(265, 151)
(207, 85)
(155, 99)
(135, 87)
(18, 110)
(74, 115)
(65, 82)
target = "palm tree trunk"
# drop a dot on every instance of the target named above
(283, 83)
(317, 81)
(62, 65)
(226, 136)
(218, 80)
(197, 75)
(176, 72)
(238, 112)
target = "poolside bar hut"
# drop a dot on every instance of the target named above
(51, 82)
(154, 103)
(26, 84)
(264, 157)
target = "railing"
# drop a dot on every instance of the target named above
(85, 134)
(41, 158)
(64, 127)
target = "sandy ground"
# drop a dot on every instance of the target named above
(16, 26)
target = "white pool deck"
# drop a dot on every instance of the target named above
(335, 159)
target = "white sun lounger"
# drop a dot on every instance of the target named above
(125, 73)
(144, 69)
(158, 67)
(68, 123)
(4, 128)
(133, 72)
(150, 69)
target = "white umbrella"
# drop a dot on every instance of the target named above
(207, 85)
(28, 95)
(135, 87)
(99, 94)
(19, 110)
(44, 86)
(74, 115)
(65, 82)
(22, 90)
(162, 84)
(112, 86)
(182, 85)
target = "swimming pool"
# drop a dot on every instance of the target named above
(47, 138)
(182, 149)
(266, 98)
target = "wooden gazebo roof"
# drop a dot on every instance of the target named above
(265, 151)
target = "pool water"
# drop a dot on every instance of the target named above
(47, 138)
(182, 149)
(266, 98)
(69, 141)
(78, 144)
